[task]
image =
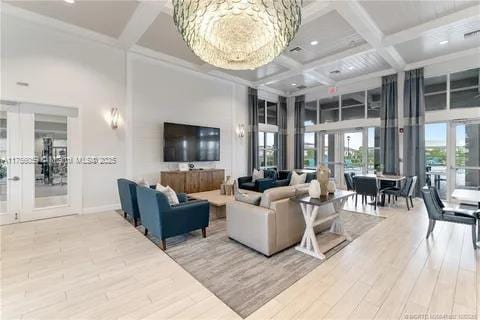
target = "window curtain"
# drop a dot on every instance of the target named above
(252, 129)
(414, 124)
(389, 126)
(282, 133)
(299, 131)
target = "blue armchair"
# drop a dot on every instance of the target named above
(164, 221)
(128, 199)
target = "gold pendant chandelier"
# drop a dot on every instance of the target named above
(237, 34)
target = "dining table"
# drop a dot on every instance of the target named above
(384, 177)
(467, 195)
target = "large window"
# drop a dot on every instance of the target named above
(328, 152)
(353, 152)
(467, 156)
(436, 93)
(267, 112)
(436, 156)
(328, 109)
(373, 150)
(267, 149)
(310, 113)
(310, 150)
(374, 100)
(464, 89)
(353, 106)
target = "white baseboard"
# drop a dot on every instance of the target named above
(104, 208)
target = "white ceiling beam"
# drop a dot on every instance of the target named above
(362, 49)
(353, 12)
(421, 29)
(444, 58)
(321, 78)
(315, 10)
(143, 17)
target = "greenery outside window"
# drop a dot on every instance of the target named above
(267, 149)
(310, 150)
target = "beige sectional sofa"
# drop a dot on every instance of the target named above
(277, 223)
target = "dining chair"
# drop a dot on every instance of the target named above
(406, 191)
(437, 213)
(366, 186)
(349, 180)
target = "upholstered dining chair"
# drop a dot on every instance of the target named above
(439, 213)
(349, 180)
(366, 186)
(406, 191)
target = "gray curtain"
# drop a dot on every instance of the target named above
(389, 126)
(252, 129)
(299, 130)
(414, 124)
(282, 133)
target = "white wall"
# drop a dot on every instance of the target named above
(66, 70)
(164, 93)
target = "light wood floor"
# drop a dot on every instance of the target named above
(99, 267)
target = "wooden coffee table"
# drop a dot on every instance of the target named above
(218, 202)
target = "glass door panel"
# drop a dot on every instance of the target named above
(328, 152)
(3, 162)
(51, 169)
(353, 152)
(373, 150)
(436, 157)
(467, 158)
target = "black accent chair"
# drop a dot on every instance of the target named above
(406, 191)
(283, 178)
(349, 180)
(366, 186)
(437, 212)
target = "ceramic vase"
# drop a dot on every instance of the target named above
(314, 189)
(323, 176)
(331, 186)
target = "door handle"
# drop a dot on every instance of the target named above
(15, 178)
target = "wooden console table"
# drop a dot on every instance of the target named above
(316, 211)
(193, 181)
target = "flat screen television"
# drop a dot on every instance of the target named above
(187, 143)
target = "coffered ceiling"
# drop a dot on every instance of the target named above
(338, 40)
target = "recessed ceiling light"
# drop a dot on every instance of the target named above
(70, 1)
(351, 68)
(294, 84)
(314, 42)
(444, 42)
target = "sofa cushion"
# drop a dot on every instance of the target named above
(257, 174)
(297, 179)
(248, 186)
(270, 173)
(252, 198)
(275, 194)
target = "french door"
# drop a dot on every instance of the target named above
(465, 169)
(38, 175)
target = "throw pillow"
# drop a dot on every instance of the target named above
(297, 178)
(169, 193)
(257, 174)
(250, 197)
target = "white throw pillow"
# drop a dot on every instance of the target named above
(257, 175)
(297, 179)
(169, 193)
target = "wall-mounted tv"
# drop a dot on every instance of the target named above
(187, 143)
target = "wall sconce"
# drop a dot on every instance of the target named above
(114, 115)
(240, 130)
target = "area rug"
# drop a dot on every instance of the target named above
(242, 278)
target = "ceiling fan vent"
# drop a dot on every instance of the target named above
(335, 72)
(296, 49)
(301, 87)
(472, 34)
